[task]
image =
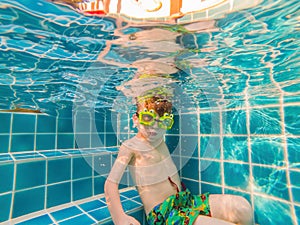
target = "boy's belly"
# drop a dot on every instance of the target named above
(155, 194)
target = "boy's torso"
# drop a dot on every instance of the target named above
(150, 168)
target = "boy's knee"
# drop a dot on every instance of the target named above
(244, 212)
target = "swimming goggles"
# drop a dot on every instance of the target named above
(148, 118)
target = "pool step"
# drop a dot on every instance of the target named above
(87, 211)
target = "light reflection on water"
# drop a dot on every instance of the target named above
(248, 49)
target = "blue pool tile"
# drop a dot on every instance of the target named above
(213, 189)
(102, 164)
(139, 215)
(5, 158)
(189, 124)
(297, 210)
(30, 174)
(7, 177)
(295, 183)
(99, 123)
(58, 194)
(66, 213)
(4, 140)
(209, 123)
(23, 156)
(65, 125)
(137, 199)
(174, 130)
(59, 170)
(82, 167)
(192, 186)
(188, 146)
(293, 152)
(130, 194)
(52, 154)
(43, 220)
(23, 123)
(236, 175)
(82, 189)
(109, 124)
(78, 220)
(271, 212)
(5, 119)
(292, 119)
(129, 205)
(270, 181)
(99, 185)
(82, 122)
(110, 149)
(97, 140)
(34, 199)
(210, 171)
(45, 141)
(191, 169)
(264, 100)
(267, 151)
(172, 141)
(82, 140)
(234, 122)
(265, 121)
(235, 148)
(100, 214)
(5, 202)
(111, 140)
(65, 141)
(210, 147)
(46, 124)
(72, 152)
(93, 205)
(22, 142)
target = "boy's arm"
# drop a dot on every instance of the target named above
(111, 189)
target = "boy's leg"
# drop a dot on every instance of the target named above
(232, 208)
(206, 220)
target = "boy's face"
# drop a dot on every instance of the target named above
(152, 132)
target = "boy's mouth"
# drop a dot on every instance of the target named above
(152, 133)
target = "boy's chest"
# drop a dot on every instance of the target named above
(149, 157)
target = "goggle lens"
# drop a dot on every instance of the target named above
(148, 118)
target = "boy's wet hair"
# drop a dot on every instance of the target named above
(159, 105)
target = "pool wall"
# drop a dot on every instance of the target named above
(257, 157)
(42, 166)
(240, 155)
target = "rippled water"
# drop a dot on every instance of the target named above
(49, 57)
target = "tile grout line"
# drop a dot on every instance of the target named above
(13, 192)
(35, 132)
(222, 150)
(199, 150)
(285, 147)
(10, 133)
(282, 117)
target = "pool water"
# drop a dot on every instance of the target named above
(236, 96)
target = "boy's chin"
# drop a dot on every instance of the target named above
(155, 137)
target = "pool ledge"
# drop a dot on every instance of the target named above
(88, 211)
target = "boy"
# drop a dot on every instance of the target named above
(157, 179)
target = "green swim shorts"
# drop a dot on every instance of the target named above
(180, 209)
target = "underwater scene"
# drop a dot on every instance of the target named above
(68, 87)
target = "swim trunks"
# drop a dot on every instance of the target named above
(180, 209)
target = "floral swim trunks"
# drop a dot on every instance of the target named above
(180, 209)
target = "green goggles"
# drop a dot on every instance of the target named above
(148, 118)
